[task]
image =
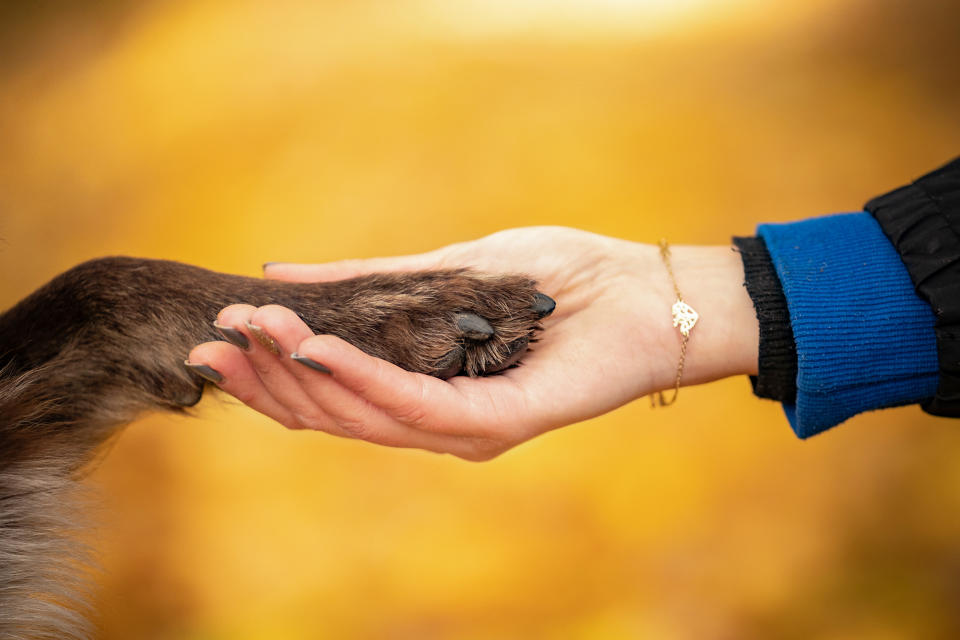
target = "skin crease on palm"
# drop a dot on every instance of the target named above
(609, 341)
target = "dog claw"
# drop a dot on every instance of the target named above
(473, 327)
(451, 364)
(517, 348)
(543, 305)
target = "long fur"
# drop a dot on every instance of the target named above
(105, 341)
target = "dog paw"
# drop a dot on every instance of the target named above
(441, 323)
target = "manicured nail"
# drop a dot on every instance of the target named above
(264, 338)
(270, 264)
(232, 336)
(313, 364)
(208, 373)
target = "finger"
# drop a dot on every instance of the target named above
(418, 401)
(315, 400)
(349, 268)
(264, 356)
(364, 421)
(239, 379)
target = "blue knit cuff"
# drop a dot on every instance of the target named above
(864, 339)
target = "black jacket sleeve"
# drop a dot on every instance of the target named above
(922, 220)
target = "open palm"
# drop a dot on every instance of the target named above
(609, 341)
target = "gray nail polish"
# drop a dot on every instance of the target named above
(204, 371)
(270, 264)
(233, 336)
(307, 362)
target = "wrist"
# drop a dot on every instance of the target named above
(725, 340)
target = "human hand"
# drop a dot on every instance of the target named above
(609, 341)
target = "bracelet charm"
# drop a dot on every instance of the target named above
(685, 318)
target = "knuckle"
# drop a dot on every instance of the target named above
(414, 411)
(411, 414)
(264, 369)
(311, 421)
(357, 428)
(244, 394)
(365, 385)
(361, 387)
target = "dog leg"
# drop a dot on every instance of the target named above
(106, 341)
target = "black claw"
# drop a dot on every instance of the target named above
(451, 364)
(543, 305)
(473, 327)
(517, 348)
(188, 397)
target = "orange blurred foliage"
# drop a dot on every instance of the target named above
(229, 134)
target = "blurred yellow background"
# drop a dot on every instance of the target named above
(229, 134)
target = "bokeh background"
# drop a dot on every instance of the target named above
(229, 134)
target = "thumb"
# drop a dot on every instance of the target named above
(342, 269)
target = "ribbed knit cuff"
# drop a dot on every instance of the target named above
(776, 377)
(864, 339)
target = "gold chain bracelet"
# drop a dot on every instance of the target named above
(684, 317)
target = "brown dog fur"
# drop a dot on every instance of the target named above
(106, 341)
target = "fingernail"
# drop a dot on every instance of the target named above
(270, 264)
(313, 364)
(232, 336)
(208, 373)
(264, 338)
